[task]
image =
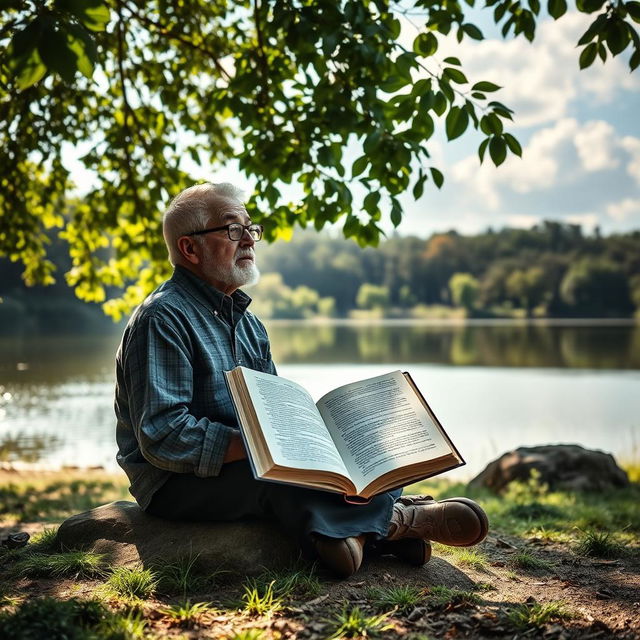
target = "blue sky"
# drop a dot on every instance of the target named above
(580, 132)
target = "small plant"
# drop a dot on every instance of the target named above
(351, 623)
(72, 564)
(68, 619)
(534, 511)
(403, 598)
(46, 540)
(469, 558)
(598, 544)
(132, 582)
(442, 596)
(528, 561)
(182, 577)
(537, 614)
(260, 600)
(185, 614)
(292, 583)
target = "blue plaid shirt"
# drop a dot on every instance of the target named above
(174, 413)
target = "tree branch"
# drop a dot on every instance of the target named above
(172, 33)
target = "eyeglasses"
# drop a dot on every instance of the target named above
(235, 230)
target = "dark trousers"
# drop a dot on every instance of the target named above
(235, 495)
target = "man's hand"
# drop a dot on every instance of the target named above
(236, 450)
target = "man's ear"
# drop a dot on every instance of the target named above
(188, 249)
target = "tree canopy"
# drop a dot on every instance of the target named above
(319, 101)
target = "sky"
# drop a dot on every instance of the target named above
(580, 132)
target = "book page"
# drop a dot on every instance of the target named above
(379, 425)
(291, 424)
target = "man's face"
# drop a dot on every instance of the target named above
(227, 264)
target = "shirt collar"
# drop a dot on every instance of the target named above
(232, 307)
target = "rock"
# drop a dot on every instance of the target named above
(561, 466)
(128, 536)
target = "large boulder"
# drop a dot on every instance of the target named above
(128, 536)
(562, 466)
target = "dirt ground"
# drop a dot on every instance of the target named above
(602, 596)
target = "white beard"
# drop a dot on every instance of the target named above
(233, 275)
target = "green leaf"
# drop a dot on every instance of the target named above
(617, 37)
(497, 150)
(359, 166)
(456, 123)
(29, 70)
(453, 60)
(491, 124)
(535, 6)
(396, 213)
(472, 31)
(485, 86)
(588, 55)
(482, 148)
(56, 54)
(94, 14)
(455, 75)
(513, 144)
(372, 141)
(394, 83)
(425, 44)
(418, 188)
(633, 9)
(634, 61)
(557, 8)
(439, 103)
(437, 176)
(370, 203)
(84, 47)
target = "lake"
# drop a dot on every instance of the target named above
(493, 385)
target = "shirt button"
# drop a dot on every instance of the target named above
(215, 313)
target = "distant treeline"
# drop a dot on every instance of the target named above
(552, 269)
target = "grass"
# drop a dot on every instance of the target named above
(260, 600)
(291, 583)
(463, 556)
(185, 614)
(183, 577)
(403, 598)
(528, 561)
(248, 634)
(537, 614)
(68, 620)
(47, 497)
(133, 582)
(441, 597)
(598, 544)
(352, 622)
(70, 564)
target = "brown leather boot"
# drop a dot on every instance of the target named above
(342, 555)
(457, 522)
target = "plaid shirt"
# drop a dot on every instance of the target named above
(174, 413)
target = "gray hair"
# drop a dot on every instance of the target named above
(191, 209)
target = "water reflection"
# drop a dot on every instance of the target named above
(27, 448)
(505, 345)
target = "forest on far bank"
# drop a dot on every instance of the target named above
(550, 270)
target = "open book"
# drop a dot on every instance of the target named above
(360, 439)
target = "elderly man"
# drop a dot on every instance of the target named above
(177, 432)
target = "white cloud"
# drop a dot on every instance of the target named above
(522, 221)
(595, 144)
(625, 209)
(587, 220)
(541, 79)
(632, 146)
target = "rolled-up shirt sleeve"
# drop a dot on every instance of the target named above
(160, 396)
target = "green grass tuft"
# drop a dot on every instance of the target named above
(132, 582)
(528, 561)
(260, 600)
(68, 620)
(537, 614)
(441, 596)
(291, 583)
(403, 598)
(71, 564)
(183, 577)
(598, 544)
(248, 634)
(185, 614)
(352, 623)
